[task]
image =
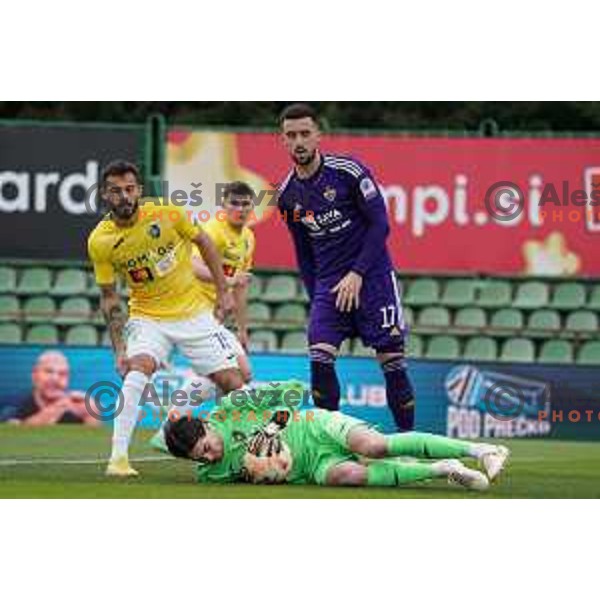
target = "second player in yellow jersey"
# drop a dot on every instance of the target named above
(235, 243)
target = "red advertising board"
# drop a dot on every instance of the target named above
(541, 220)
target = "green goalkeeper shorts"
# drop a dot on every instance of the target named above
(327, 443)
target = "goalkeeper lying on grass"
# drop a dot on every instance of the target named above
(275, 443)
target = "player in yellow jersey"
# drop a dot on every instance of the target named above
(149, 245)
(235, 243)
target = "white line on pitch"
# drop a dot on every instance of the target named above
(15, 462)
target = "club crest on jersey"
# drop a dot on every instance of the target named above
(154, 230)
(368, 188)
(330, 193)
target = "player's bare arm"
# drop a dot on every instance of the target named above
(116, 319)
(238, 284)
(201, 271)
(212, 259)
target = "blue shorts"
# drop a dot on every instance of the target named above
(378, 322)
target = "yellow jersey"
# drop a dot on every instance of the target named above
(236, 247)
(154, 257)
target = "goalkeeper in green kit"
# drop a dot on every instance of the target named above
(262, 435)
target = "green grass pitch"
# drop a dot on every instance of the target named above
(47, 463)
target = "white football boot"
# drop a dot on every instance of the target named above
(494, 461)
(460, 475)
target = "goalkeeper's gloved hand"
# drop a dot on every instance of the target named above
(267, 442)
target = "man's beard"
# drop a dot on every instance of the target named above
(126, 211)
(305, 160)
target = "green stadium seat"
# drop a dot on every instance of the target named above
(434, 317)
(582, 321)
(589, 354)
(10, 309)
(302, 294)
(443, 347)
(280, 288)
(39, 309)
(294, 343)
(359, 349)
(8, 280)
(35, 281)
(10, 333)
(290, 316)
(73, 311)
(415, 346)
(96, 316)
(594, 301)
(533, 294)
(556, 352)
(259, 314)
(569, 296)
(544, 323)
(92, 288)
(458, 293)
(518, 350)
(481, 348)
(42, 334)
(263, 341)
(506, 321)
(408, 314)
(470, 318)
(256, 287)
(423, 292)
(494, 294)
(81, 335)
(70, 282)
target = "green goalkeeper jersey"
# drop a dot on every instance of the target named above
(316, 438)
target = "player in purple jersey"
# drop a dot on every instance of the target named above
(338, 221)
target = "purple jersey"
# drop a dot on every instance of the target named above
(338, 221)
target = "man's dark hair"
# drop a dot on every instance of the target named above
(182, 435)
(118, 168)
(299, 111)
(238, 188)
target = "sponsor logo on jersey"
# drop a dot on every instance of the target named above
(141, 275)
(368, 188)
(229, 270)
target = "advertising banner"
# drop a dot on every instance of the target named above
(460, 400)
(522, 206)
(48, 179)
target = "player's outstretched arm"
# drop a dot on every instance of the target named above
(212, 259)
(201, 271)
(116, 319)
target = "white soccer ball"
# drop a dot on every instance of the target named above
(269, 469)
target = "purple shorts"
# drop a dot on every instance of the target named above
(378, 322)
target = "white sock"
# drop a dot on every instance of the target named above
(479, 450)
(125, 422)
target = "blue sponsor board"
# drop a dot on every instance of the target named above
(456, 399)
